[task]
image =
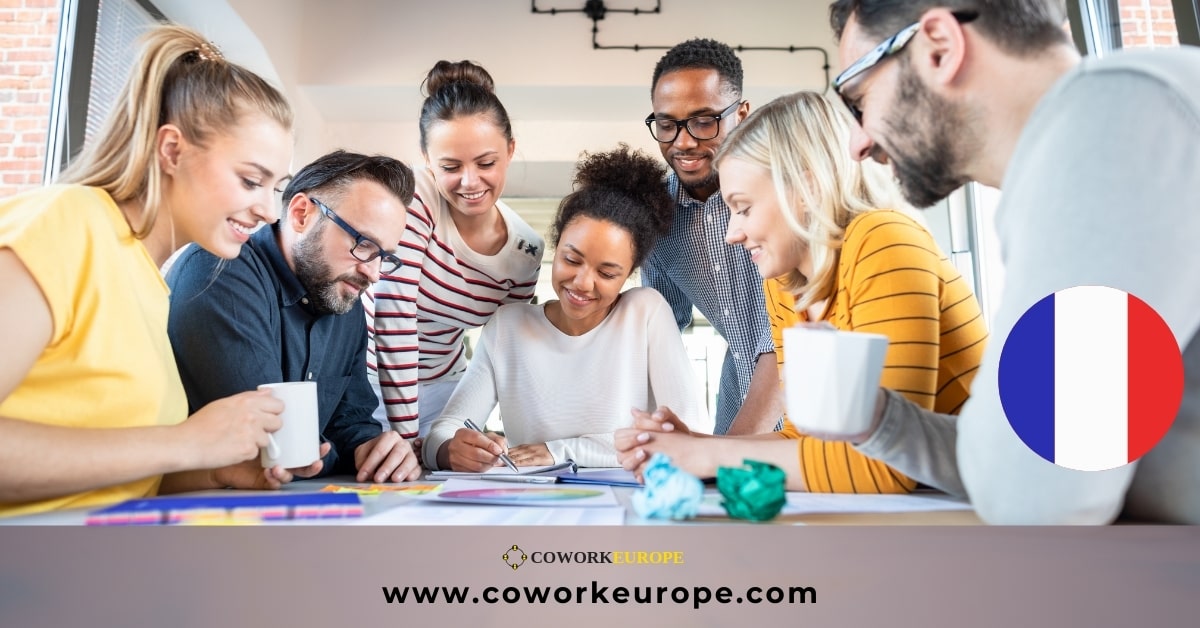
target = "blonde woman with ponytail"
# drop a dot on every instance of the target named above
(91, 406)
(822, 230)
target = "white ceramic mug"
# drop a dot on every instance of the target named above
(298, 442)
(831, 378)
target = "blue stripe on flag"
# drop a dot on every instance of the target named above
(1027, 378)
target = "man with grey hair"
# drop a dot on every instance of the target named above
(1095, 159)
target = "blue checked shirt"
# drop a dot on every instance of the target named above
(693, 265)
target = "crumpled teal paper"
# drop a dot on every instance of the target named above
(669, 493)
(754, 491)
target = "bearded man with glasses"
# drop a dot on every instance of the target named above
(1097, 160)
(696, 93)
(288, 310)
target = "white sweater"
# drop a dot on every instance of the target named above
(572, 392)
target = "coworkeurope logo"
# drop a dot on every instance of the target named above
(515, 557)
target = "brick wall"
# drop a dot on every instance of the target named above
(1148, 24)
(28, 34)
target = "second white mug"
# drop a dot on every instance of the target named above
(298, 442)
(831, 378)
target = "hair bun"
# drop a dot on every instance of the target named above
(632, 173)
(449, 72)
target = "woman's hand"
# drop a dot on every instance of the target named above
(661, 420)
(231, 430)
(471, 451)
(531, 455)
(688, 452)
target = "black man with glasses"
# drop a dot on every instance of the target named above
(696, 93)
(1098, 160)
(288, 309)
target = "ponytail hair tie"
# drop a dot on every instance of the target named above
(207, 51)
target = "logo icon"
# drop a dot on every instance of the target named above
(514, 557)
(529, 248)
(1091, 378)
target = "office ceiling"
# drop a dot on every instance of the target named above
(353, 67)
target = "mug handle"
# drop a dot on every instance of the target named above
(273, 451)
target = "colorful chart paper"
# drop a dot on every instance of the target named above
(228, 508)
(507, 494)
(376, 489)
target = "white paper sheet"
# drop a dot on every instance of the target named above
(426, 513)
(813, 503)
(502, 472)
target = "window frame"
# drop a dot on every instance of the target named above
(71, 92)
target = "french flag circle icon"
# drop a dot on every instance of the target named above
(1091, 378)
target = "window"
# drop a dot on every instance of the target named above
(1102, 26)
(97, 44)
(119, 23)
(1099, 27)
(1148, 24)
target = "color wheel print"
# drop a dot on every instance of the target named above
(529, 494)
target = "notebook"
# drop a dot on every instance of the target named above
(607, 477)
(565, 473)
(536, 475)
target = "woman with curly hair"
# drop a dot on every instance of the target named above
(566, 373)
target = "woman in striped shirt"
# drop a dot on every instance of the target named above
(465, 252)
(810, 217)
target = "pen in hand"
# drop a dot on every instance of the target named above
(503, 456)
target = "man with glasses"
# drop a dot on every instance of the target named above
(696, 93)
(1098, 162)
(288, 310)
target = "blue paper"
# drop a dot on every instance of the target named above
(669, 492)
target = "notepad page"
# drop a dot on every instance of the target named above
(502, 471)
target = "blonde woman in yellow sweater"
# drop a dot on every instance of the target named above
(815, 225)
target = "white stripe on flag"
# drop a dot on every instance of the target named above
(1091, 390)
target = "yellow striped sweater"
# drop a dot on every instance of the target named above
(893, 280)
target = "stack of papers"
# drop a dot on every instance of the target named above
(563, 473)
(539, 475)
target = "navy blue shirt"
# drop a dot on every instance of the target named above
(240, 323)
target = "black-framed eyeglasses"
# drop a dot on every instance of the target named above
(702, 127)
(365, 249)
(888, 48)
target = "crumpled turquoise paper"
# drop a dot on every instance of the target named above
(754, 491)
(669, 493)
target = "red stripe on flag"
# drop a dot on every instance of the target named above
(1155, 378)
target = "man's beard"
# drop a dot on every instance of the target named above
(314, 274)
(692, 186)
(710, 180)
(928, 160)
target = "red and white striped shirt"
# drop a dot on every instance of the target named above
(417, 317)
